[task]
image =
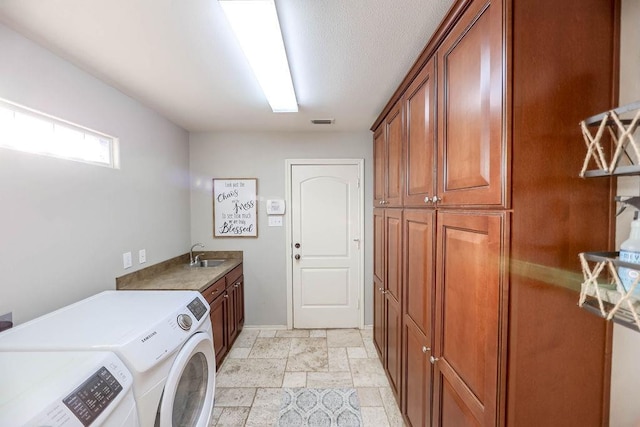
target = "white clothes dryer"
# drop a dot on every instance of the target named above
(71, 389)
(163, 337)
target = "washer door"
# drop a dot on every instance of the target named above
(187, 400)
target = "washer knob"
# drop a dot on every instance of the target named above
(184, 321)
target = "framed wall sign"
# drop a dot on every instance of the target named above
(235, 207)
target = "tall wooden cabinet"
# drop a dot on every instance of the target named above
(388, 293)
(475, 314)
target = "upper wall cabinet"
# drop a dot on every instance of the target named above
(388, 169)
(420, 142)
(460, 92)
(471, 153)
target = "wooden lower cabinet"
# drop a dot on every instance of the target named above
(418, 284)
(392, 299)
(387, 294)
(378, 281)
(469, 351)
(226, 301)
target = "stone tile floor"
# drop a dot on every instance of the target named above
(261, 362)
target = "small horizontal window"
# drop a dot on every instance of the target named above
(31, 131)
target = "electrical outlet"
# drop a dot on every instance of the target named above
(126, 260)
(142, 256)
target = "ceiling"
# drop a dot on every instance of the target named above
(180, 58)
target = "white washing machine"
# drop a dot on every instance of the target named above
(71, 389)
(163, 337)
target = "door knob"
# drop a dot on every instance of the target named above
(433, 360)
(297, 245)
(425, 349)
(297, 256)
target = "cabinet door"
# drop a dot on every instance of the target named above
(420, 142)
(378, 280)
(232, 325)
(379, 162)
(393, 298)
(394, 165)
(239, 303)
(219, 319)
(469, 325)
(418, 285)
(471, 152)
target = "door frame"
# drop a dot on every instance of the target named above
(289, 163)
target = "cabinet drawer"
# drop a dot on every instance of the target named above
(234, 275)
(213, 291)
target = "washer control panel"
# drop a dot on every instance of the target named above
(92, 397)
(197, 308)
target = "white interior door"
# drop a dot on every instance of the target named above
(326, 245)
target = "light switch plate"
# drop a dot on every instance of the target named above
(126, 260)
(275, 221)
(142, 256)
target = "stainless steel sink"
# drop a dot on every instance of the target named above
(209, 262)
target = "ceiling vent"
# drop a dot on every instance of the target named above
(322, 121)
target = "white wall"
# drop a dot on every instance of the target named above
(625, 375)
(64, 225)
(262, 156)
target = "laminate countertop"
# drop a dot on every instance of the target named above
(176, 274)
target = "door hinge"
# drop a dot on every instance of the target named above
(358, 182)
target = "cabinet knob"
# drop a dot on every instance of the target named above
(381, 202)
(385, 292)
(226, 295)
(237, 284)
(436, 199)
(427, 199)
(425, 349)
(433, 360)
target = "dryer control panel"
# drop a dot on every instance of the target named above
(197, 308)
(92, 397)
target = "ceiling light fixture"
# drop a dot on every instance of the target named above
(255, 23)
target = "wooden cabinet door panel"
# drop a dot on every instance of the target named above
(378, 245)
(232, 326)
(469, 290)
(393, 321)
(378, 319)
(219, 319)
(419, 277)
(417, 375)
(394, 165)
(420, 142)
(418, 284)
(379, 165)
(393, 241)
(378, 280)
(453, 410)
(238, 303)
(471, 152)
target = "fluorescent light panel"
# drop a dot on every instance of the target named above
(255, 23)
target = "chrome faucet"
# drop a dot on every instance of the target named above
(192, 260)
